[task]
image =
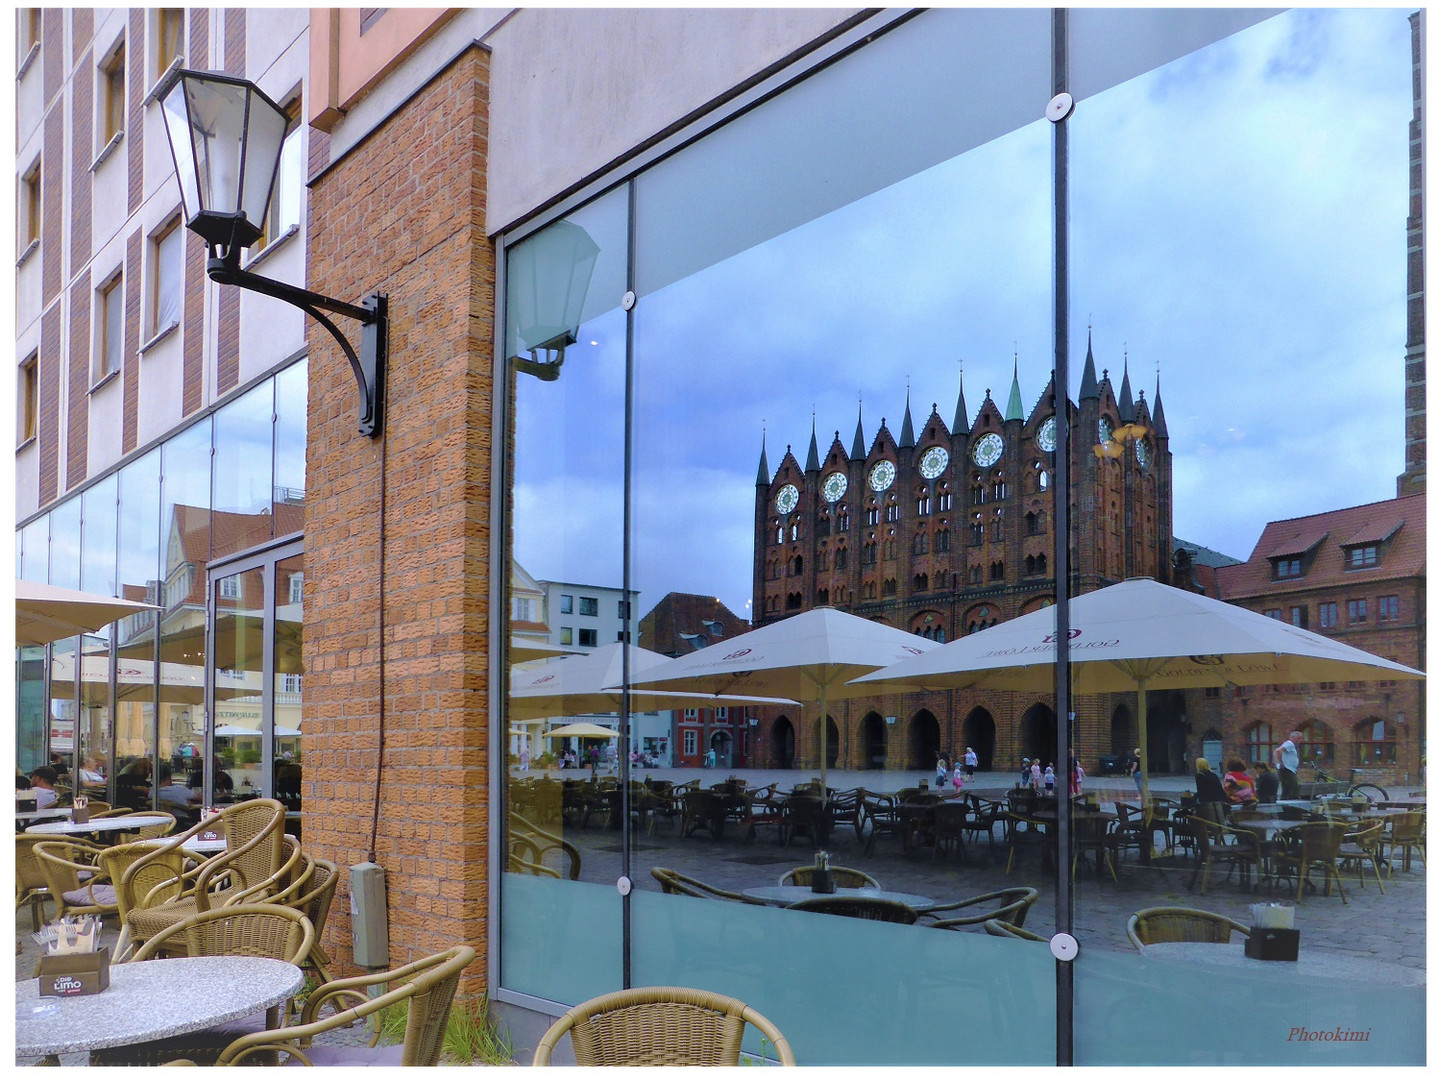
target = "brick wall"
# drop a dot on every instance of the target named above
(403, 214)
(78, 376)
(130, 402)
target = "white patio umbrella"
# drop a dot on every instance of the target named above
(1138, 635)
(809, 657)
(46, 613)
(590, 683)
(528, 649)
(582, 730)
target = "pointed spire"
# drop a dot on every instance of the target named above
(1015, 409)
(1157, 424)
(763, 479)
(1088, 384)
(961, 410)
(857, 451)
(1126, 396)
(812, 462)
(906, 431)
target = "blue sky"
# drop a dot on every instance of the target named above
(1237, 221)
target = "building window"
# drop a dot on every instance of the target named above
(691, 737)
(622, 636)
(1273, 613)
(1358, 612)
(1328, 616)
(28, 397)
(522, 609)
(1288, 568)
(1260, 738)
(112, 95)
(287, 196)
(1389, 609)
(230, 587)
(722, 714)
(110, 343)
(589, 605)
(624, 609)
(297, 588)
(589, 637)
(30, 207)
(1374, 743)
(922, 505)
(567, 604)
(1299, 616)
(1362, 556)
(567, 635)
(166, 272)
(169, 38)
(29, 30)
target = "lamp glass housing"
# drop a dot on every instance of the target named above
(549, 276)
(226, 136)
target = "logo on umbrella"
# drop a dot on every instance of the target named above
(1211, 661)
(737, 655)
(1074, 632)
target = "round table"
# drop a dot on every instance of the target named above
(152, 999)
(122, 823)
(194, 844)
(784, 895)
(1313, 967)
(50, 813)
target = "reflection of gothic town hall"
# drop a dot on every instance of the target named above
(947, 530)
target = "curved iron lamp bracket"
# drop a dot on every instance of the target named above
(372, 314)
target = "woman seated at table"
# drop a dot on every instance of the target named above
(1209, 793)
(1238, 785)
(1266, 783)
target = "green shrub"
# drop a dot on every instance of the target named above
(470, 1035)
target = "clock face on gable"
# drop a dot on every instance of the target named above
(987, 450)
(835, 485)
(1048, 435)
(881, 476)
(1106, 431)
(1141, 453)
(933, 462)
(787, 499)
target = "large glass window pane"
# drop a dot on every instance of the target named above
(97, 575)
(65, 527)
(291, 390)
(1239, 216)
(35, 550)
(568, 524)
(288, 683)
(239, 685)
(185, 555)
(63, 713)
(138, 570)
(30, 709)
(244, 472)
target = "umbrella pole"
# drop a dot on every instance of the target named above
(1144, 803)
(823, 748)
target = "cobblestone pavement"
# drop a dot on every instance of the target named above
(1390, 926)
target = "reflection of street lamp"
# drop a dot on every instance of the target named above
(549, 275)
(226, 136)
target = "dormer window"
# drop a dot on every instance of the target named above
(1288, 567)
(1361, 556)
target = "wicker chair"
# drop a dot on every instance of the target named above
(1362, 844)
(844, 877)
(31, 887)
(530, 845)
(677, 884)
(250, 870)
(857, 907)
(1000, 928)
(74, 878)
(315, 906)
(1406, 833)
(1029, 832)
(660, 1025)
(266, 930)
(1219, 844)
(881, 814)
(807, 814)
(160, 881)
(1314, 843)
(428, 986)
(1011, 905)
(1154, 925)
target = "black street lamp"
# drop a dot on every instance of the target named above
(226, 137)
(549, 276)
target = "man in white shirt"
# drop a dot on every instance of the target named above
(42, 782)
(1286, 761)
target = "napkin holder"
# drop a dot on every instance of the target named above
(1272, 943)
(822, 882)
(74, 974)
(25, 802)
(80, 813)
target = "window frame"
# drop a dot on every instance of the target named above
(31, 207)
(109, 303)
(111, 89)
(172, 233)
(27, 398)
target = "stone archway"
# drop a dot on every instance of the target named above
(1168, 732)
(781, 743)
(831, 742)
(874, 742)
(978, 732)
(924, 742)
(1039, 733)
(1123, 733)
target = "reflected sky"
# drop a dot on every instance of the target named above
(1238, 224)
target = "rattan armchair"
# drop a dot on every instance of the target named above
(1160, 924)
(1219, 844)
(531, 846)
(1405, 833)
(677, 884)
(314, 904)
(1360, 845)
(660, 1025)
(266, 930)
(74, 878)
(1314, 843)
(31, 886)
(844, 877)
(881, 813)
(857, 907)
(428, 985)
(250, 870)
(1011, 905)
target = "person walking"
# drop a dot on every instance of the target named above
(1036, 776)
(971, 762)
(1049, 779)
(1286, 760)
(1136, 770)
(1024, 778)
(941, 771)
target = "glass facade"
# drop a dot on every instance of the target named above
(127, 715)
(879, 240)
